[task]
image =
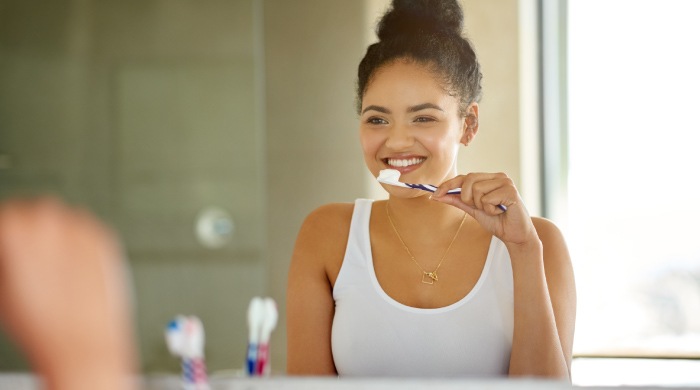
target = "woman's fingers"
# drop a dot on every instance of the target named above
(493, 200)
(456, 201)
(497, 201)
(483, 191)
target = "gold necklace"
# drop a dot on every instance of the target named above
(428, 277)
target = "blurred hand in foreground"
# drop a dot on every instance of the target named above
(63, 295)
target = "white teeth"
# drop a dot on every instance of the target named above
(404, 162)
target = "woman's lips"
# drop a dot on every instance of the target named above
(403, 162)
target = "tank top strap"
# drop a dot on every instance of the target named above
(359, 229)
(358, 250)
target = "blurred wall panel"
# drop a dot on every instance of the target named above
(312, 49)
(146, 112)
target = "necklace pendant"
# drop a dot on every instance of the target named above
(429, 277)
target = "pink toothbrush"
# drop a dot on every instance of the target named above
(268, 325)
(185, 338)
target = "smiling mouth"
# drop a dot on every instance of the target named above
(403, 162)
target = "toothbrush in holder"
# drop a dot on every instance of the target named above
(392, 176)
(193, 359)
(268, 325)
(185, 338)
(256, 313)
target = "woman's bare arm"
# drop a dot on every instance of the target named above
(317, 257)
(545, 306)
(543, 281)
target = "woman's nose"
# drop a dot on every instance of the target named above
(399, 138)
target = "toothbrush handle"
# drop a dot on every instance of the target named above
(187, 373)
(432, 188)
(263, 359)
(194, 374)
(252, 359)
(201, 381)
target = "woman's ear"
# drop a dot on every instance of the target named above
(471, 124)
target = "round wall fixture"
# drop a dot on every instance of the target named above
(214, 227)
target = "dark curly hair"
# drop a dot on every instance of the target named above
(428, 32)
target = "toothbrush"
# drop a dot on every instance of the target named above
(193, 355)
(392, 176)
(175, 340)
(268, 325)
(174, 335)
(184, 337)
(256, 313)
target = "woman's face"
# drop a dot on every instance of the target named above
(408, 122)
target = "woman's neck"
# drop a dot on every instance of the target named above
(422, 212)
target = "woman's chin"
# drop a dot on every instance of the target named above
(404, 193)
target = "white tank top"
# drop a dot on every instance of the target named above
(374, 335)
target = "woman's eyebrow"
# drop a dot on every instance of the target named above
(410, 109)
(423, 107)
(377, 108)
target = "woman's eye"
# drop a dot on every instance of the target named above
(376, 121)
(424, 119)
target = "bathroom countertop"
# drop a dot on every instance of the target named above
(26, 381)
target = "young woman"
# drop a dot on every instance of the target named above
(421, 285)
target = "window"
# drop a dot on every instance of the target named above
(631, 196)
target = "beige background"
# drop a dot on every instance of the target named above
(148, 111)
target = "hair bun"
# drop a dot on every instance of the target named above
(421, 16)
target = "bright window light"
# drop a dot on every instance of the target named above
(634, 182)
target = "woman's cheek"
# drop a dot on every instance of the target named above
(370, 148)
(370, 141)
(439, 144)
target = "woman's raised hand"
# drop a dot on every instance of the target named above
(64, 296)
(482, 197)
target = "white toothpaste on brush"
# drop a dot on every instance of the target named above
(392, 177)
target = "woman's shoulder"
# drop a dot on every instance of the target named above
(554, 246)
(322, 239)
(547, 230)
(326, 228)
(329, 217)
